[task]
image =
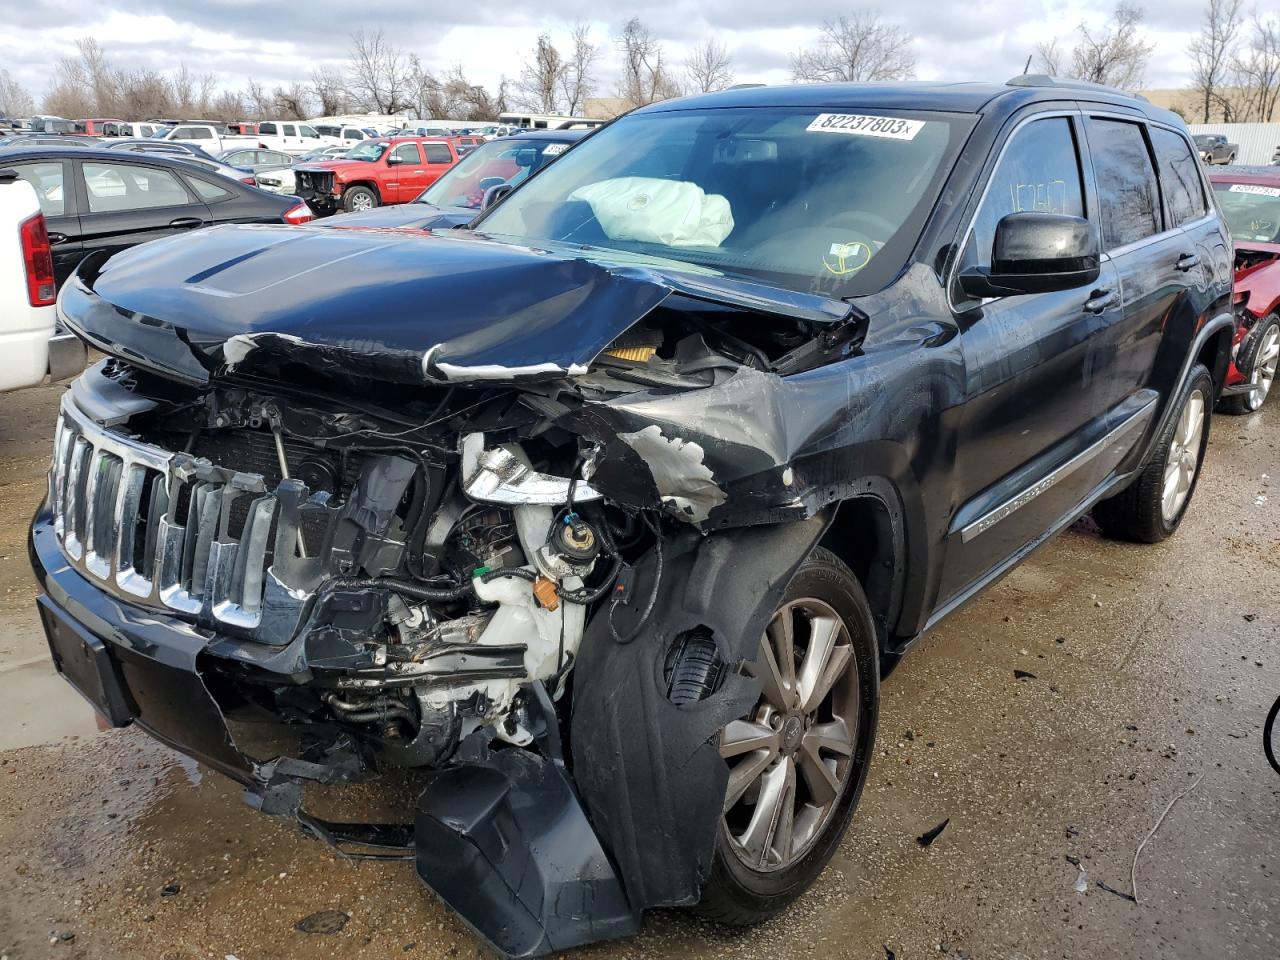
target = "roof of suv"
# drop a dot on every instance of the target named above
(969, 97)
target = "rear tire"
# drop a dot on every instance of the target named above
(1259, 355)
(830, 621)
(1153, 505)
(360, 199)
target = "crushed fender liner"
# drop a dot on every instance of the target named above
(648, 769)
(503, 840)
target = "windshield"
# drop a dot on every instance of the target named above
(816, 201)
(1252, 211)
(490, 165)
(366, 150)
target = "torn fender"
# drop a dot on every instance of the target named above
(648, 770)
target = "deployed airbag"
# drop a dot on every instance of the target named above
(674, 213)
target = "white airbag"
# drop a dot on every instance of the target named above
(674, 213)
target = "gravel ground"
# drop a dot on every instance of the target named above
(1152, 672)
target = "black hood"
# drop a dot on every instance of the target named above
(420, 216)
(402, 305)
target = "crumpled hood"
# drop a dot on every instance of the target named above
(402, 305)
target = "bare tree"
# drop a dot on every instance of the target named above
(708, 68)
(1257, 71)
(1049, 58)
(378, 74)
(1115, 55)
(292, 102)
(329, 91)
(541, 77)
(577, 82)
(645, 77)
(259, 101)
(1211, 52)
(857, 48)
(471, 101)
(15, 101)
(144, 94)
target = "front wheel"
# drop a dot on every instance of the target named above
(1150, 508)
(1260, 356)
(799, 759)
(359, 199)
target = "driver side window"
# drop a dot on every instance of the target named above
(1040, 172)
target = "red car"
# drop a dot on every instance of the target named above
(376, 173)
(1250, 202)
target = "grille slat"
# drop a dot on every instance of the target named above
(116, 503)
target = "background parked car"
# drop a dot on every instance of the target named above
(1249, 198)
(331, 151)
(458, 195)
(375, 173)
(344, 134)
(123, 199)
(210, 136)
(27, 292)
(1214, 148)
(273, 168)
(54, 141)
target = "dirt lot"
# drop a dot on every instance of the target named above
(1152, 671)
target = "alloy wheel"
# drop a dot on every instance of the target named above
(1184, 456)
(1264, 367)
(791, 756)
(361, 201)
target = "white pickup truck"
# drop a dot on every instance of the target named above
(30, 347)
(211, 137)
(289, 136)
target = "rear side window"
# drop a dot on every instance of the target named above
(47, 179)
(113, 187)
(1039, 172)
(1179, 175)
(438, 153)
(290, 130)
(195, 133)
(208, 191)
(267, 128)
(354, 135)
(1128, 197)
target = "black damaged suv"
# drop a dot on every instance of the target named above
(604, 516)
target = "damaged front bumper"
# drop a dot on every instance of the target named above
(499, 835)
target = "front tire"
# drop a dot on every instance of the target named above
(1260, 355)
(799, 760)
(360, 199)
(1151, 508)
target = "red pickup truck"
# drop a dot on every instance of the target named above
(376, 172)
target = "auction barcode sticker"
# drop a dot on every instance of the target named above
(1254, 188)
(554, 149)
(861, 125)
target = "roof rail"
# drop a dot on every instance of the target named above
(1044, 80)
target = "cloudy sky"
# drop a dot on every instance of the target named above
(282, 41)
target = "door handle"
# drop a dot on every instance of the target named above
(419, 171)
(186, 223)
(56, 238)
(1100, 300)
(1187, 261)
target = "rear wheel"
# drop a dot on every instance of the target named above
(1260, 356)
(357, 199)
(799, 759)
(1150, 508)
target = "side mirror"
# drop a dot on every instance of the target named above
(494, 194)
(1036, 253)
(394, 161)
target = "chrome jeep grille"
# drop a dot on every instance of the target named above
(156, 527)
